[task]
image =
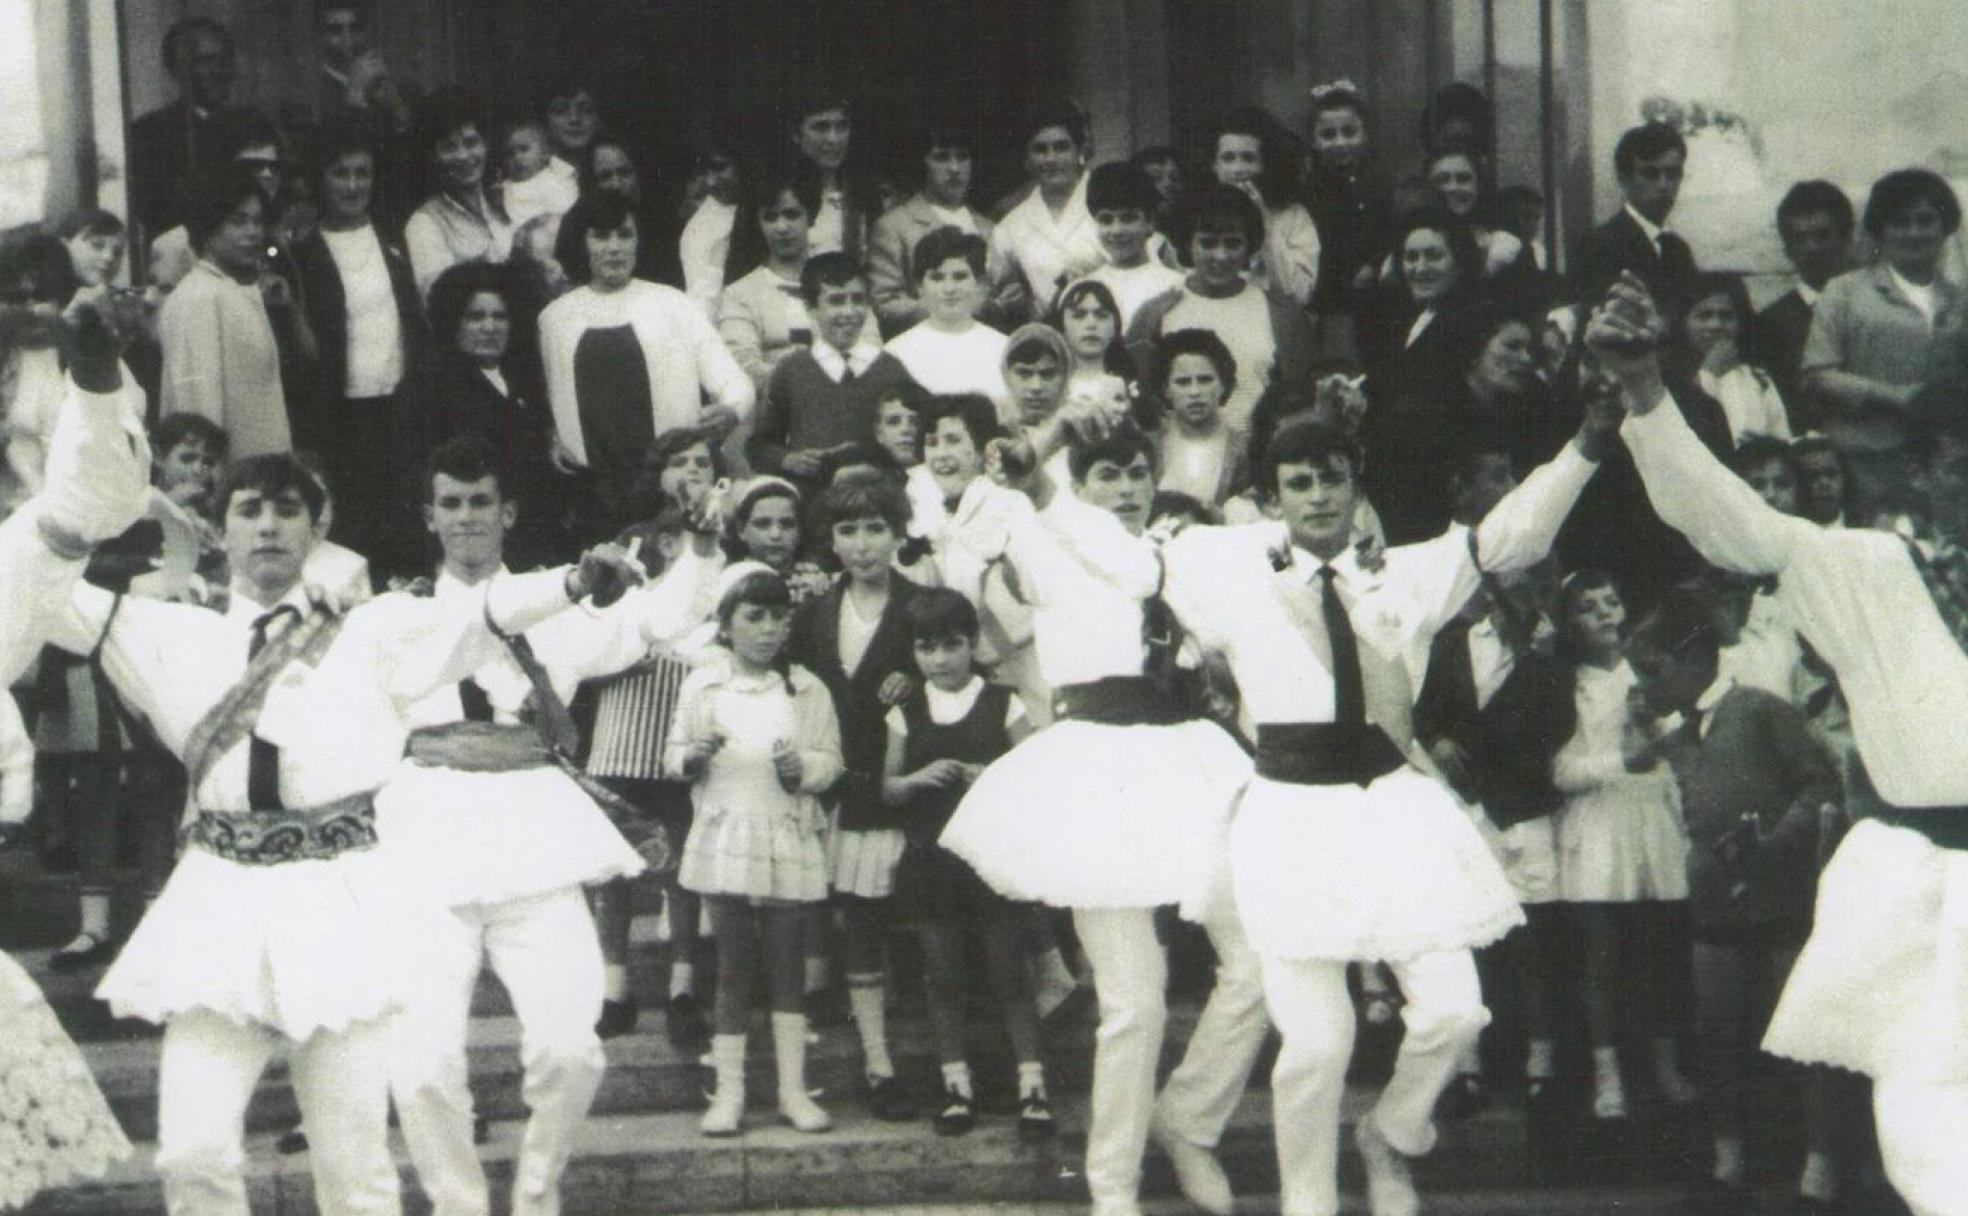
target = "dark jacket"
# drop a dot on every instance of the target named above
(326, 305)
(857, 698)
(1620, 244)
(1777, 345)
(1510, 741)
(169, 146)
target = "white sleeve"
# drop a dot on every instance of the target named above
(897, 724)
(429, 256)
(421, 645)
(16, 764)
(724, 382)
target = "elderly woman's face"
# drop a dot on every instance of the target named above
(612, 255)
(461, 158)
(1912, 238)
(484, 328)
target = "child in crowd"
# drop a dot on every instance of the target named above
(533, 253)
(1037, 365)
(898, 428)
(1758, 792)
(1821, 480)
(1717, 328)
(1200, 454)
(1623, 850)
(938, 740)
(824, 397)
(633, 714)
(532, 186)
(854, 638)
(94, 238)
(757, 739)
(950, 350)
(1126, 208)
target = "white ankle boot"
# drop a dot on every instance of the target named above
(727, 1111)
(796, 1106)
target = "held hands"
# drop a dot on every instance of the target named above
(607, 572)
(787, 763)
(1625, 333)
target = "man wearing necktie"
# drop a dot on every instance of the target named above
(1648, 161)
(1345, 847)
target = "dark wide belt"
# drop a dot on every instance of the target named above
(276, 837)
(1945, 826)
(1118, 701)
(1325, 753)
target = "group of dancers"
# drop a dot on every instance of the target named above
(382, 793)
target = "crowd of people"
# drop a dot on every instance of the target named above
(1271, 534)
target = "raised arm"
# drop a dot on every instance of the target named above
(585, 644)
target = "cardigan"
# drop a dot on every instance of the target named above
(815, 645)
(1865, 325)
(326, 308)
(221, 360)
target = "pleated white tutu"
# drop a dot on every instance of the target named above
(55, 1127)
(299, 947)
(1390, 872)
(1882, 985)
(1086, 815)
(485, 838)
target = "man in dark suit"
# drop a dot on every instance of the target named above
(170, 145)
(1815, 221)
(1648, 161)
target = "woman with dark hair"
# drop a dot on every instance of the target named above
(1049, 239)
(1251, 151)
(462, 220)
(626, 359)
(760, 315)
(1455, 175)
(221, 358)
(1715, 331)
(611, 165)
(360, 298)
(820, 125)
(482, 378)
(706, 238)
(1090, 319)
(1872, 342)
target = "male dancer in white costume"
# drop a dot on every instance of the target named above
(1882, 985)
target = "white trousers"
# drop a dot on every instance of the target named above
(1923, 1138)
(1308, 1000)
(1130, 979)
(207, 1070)
(544, 949)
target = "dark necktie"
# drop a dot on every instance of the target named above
(847, 374)
(1349, 687)
(471, 697)
(263, 758)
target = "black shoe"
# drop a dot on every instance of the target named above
(291, 1142)
(86, 951)
(1034, 1118)
(481, 1130)
(684, 1020)
(1465, 1096)
(617, 1018)
(888, 1101)
(959, 1114)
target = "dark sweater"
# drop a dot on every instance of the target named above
(803, 407)
(1758, 757)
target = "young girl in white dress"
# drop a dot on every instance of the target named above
(1623, 848)
(757, 739)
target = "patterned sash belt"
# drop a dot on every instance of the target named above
(272, 838)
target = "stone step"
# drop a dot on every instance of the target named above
(631, 1165)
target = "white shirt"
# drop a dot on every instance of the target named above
(1712, 696)
(1220, 583)
(1194, 466)
(1925, 297)
(1749, 400)
(855, 632)
(967, 362)
(837, 364)
(1085, 577)
(702, 248)
(341, 725)
(1654, 232)
(1854, 594)
(375, 332)
(17, 763)
(1137, 285)
(1049, 252)
(946, 708)
(1767, 655)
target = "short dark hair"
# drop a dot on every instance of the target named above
(940, 245)
(868, 498)
(91, 221)
(1464, 252)
(1458, 99)
(1901, 190)
(174, 429)
(183, 30)
(768, 488)
(601, 211)
(1755, 450)
(1212, 206)
(816, 99)
(1305, 441)
(1120, 185)
(1055, 112)
(28, 253)
(1646, 142)
(1275, 145)
(1817, 197)
(1119, 446)
(830, 269)
(359, 7)
(1682, 625)
(1722, 283)
(646, 495)
(461, 458)
(213, 196)
(946, 130)
(272, 476)
(938, 613)
(454, 289)
(764, 588)
(974, 410)
(1337, 97)
(447, 111)
(1175, 502)
(336, 139)
(1174, 344)
(568, 82)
